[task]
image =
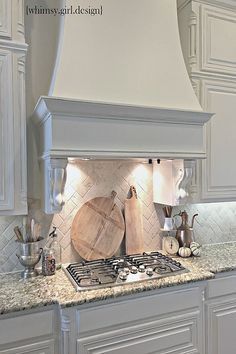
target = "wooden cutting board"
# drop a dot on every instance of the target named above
(98, 228)
(133, 224)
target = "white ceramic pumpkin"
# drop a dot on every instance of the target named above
(195, 249)
(184, 252)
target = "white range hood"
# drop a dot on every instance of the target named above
(120, 89)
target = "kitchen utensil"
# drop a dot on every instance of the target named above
(18, 234)
(134, 224)
(29, 256)
(184, 233)
(24, 229)
(37, 231)
(167, 210)
(32, 230)
(98, 228)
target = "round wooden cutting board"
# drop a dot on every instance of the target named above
(98, 228)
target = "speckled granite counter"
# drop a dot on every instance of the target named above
(216, 258)
(17, 294)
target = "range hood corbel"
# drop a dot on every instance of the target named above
(53, 179)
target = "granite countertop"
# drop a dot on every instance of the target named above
(17, 294)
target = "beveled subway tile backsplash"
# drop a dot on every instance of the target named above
(88, 179)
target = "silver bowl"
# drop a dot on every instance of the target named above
(29, 255)
(29, 262)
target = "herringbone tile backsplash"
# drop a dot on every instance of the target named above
(89, 179)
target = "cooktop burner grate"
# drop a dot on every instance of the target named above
(121, 270)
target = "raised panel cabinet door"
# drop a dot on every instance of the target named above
(176, 335)
(221, 324)
(5, 18)
(217, 41)
(13, 169)
(44, 347)
(6, 132)
(218, 171)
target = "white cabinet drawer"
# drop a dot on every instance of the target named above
(26, 327)
(177, 335)
(132, 310)
(221, 286)
(45, 347)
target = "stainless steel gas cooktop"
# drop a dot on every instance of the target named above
(121, 270)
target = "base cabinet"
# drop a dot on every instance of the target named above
(187, 319)
(167, 322)
(221, 318)
(220, 313)
(176, 335)
(30, 332)
(45, 347)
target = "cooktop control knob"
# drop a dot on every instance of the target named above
(149, 271)
(126, 270)
(141, 268)
(134, 269)
(123, 275)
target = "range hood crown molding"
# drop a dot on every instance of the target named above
(57, 106)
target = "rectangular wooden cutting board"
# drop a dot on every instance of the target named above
(134, 224)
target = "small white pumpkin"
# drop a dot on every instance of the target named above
(184, 252)
(195, 249)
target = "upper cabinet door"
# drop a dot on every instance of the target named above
(217, 40)
(217, 174)
(5, 19)
(208, 38)
(13, 193)
(6, 136)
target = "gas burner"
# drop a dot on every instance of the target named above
(121, 270)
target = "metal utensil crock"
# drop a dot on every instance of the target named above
(29, 255)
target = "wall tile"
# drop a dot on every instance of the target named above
(88, 179)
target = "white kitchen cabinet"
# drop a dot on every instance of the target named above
(12, 116)
(177, 334)
(44, 347)
(167, 322)
(217, 174)
(221, 319)
(5, 18)
(208, 32)
(31, 332)
(186, 319)
(221, 316)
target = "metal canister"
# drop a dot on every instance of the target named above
(48, 262)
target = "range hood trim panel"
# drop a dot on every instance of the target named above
(145, 132)
(83, 129)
